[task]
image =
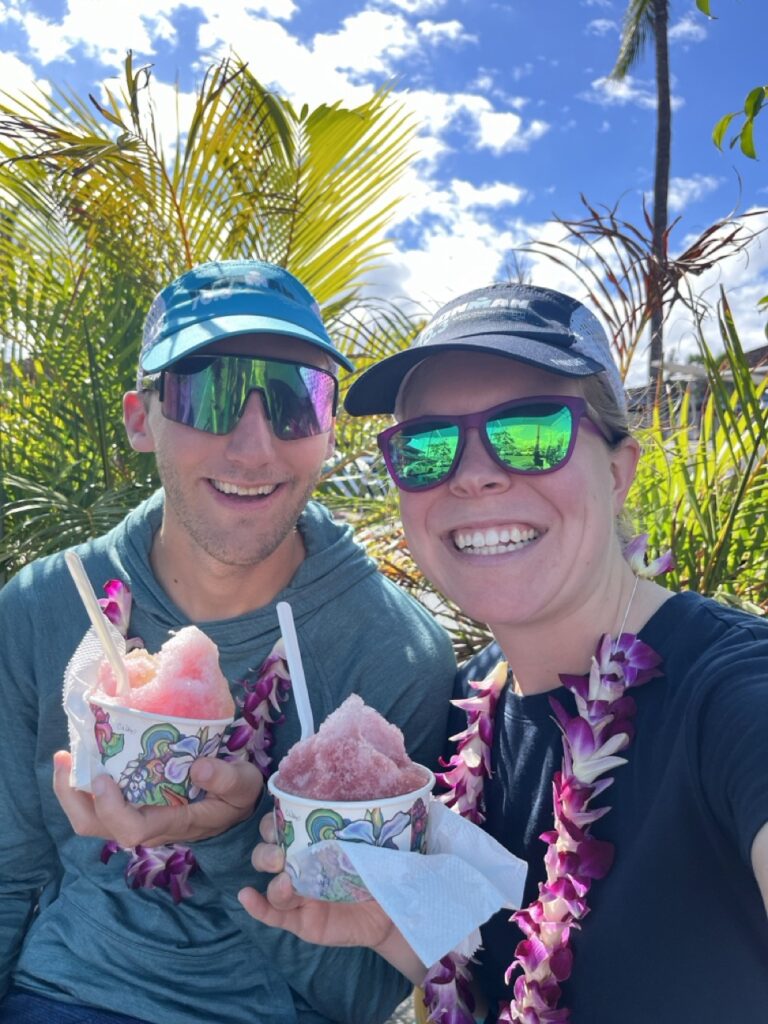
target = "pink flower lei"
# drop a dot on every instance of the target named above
(248, 738)
(574, 858)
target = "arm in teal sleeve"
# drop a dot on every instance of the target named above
(28, 859)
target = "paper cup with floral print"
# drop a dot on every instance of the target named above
(394, 823)
(149, 755)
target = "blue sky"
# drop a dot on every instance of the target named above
(517, 115)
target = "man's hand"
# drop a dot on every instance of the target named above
(232, 790)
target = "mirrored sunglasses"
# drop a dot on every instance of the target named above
(530, 435)
(209, 393)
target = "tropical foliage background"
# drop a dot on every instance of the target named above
(96, 215)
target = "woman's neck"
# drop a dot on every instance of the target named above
(538, 652)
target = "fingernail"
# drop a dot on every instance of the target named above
(99, 785)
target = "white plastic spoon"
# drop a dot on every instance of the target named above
(96, 615)
(293, 657)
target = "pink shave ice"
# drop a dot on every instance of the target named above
(182, 680)
(355, 755)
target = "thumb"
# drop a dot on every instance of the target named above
(236, 782)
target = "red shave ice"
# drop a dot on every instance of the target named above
(355, 755)
(182, 680)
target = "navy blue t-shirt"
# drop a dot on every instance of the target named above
(677, 931)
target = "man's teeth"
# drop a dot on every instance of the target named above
(246, 492)
(494, 541)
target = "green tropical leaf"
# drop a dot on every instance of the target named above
(746, 140)
(718, 132)
(754, 101)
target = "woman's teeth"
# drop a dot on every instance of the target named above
(246, 492)
(494, 541)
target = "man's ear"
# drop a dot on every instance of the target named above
(624, 459)
(136, 420)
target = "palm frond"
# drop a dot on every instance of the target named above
(636, 32)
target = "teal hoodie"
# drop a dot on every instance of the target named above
(70, 929)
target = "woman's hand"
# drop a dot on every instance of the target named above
(320, 921)
(232, 790)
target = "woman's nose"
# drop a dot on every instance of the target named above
(477, 472)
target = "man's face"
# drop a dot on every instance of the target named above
(236, 496)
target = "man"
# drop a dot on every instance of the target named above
(236, 399)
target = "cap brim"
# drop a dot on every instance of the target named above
(375, 391)
(196, 336)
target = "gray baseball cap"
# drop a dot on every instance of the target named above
(532, 325)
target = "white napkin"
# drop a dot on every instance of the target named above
(438, 901)
(79, 681)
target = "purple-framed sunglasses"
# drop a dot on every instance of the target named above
(533, 436)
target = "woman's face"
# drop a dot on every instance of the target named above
(557, 530)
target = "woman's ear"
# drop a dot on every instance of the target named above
(136, 419)
(624, 459)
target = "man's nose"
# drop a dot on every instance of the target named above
(253, 431)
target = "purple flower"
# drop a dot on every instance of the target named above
(160, 867)
(447, 991)
(117, 604)
(185, 753)
(635, 553)
(250, 736)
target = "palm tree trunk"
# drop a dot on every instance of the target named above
(660, 191)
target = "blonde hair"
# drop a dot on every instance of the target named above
(603, 408)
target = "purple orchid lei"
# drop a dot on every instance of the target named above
(249, 738)
(574, 858)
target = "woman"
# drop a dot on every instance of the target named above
(514, 459)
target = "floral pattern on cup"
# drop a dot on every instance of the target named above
(314, 834)
(419, 827)
(160, 774)
(108, 742)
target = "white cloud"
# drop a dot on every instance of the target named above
(17, 77)
(435, 31)
(688, 30)
(300, 71)
(744, 277)
(412, 6)
(522, 71)
(683, 191)
(483, 82)
(597, 3)
(609, 92)
(491, 195)
(133, 26)
(367, 42)
(502, 131)
(601, 27)
(499, 131)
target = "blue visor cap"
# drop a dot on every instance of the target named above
(225, 298)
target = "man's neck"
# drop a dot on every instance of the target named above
(207, 590)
